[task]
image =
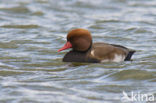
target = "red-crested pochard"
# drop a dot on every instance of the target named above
(83, 50)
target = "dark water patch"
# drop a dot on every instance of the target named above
(47, 69)
(24, 41)
(112, 88)
(141, 30)
(136, 30)
(34, 48)
(41, 64)
(38, 13)
(11, 58)
(47, 52)
(132, 75)
(108, 21)
(18, 9)
(42, 1)
(10, 73)
(31, 26)
(8, 45)
(6, 66)
(96, 27)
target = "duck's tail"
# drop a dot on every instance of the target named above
(129, 55)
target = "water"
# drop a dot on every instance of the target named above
(31, 32)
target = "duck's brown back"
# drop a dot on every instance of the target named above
(109, 52)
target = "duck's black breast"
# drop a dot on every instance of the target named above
(74, 56)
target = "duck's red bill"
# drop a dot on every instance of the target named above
(66, 46)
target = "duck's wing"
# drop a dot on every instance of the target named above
(102, 51)
(110, 52)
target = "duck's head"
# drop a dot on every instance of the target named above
(78, 39)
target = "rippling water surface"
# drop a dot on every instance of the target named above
(31, 32)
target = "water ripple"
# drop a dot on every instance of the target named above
(31, 32)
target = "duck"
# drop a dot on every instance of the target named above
(85, 51)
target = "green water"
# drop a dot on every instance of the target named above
(31, 32)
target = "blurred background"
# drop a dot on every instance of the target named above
(31, 32)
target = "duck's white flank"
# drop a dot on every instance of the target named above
(117, 58)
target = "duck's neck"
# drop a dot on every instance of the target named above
(85, 50)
